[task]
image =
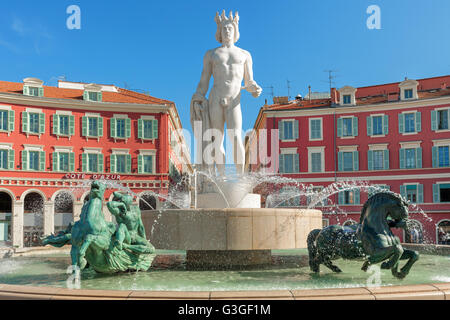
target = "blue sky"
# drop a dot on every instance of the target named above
(158, 46)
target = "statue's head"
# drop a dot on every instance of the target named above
(124, 198)
(227, 27)
(97, 189)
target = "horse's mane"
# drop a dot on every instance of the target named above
(377, 198)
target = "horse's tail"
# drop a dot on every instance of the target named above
(312, 250)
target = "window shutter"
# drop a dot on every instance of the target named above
(24, 160)
(370, 160)
(369, 126)
(436, 195)
(112, 163)
(386, 159)
(420, 193)
(341, 197)
(419, 157)
(100, 96)
(355, 126)
(386, 124)
(25, 122)
(100, 164)
(403, 191)
(71, 125)
(41, 160)
(140, 163)
(41, 122)
(281, 164)
(281, 129)
(84, 126)
(11, 118)
(140, 129)
(129, 163)
(84, 166)
(433, 120)
(85, 95)
(402, 153)
(71, 161)
(435, 155)
(155, 129)
(100, 127)
(11, 159)
(56, 124)
(296, 163)
(296, 133)
(340, 161)
(55, 161)
(418, 118)
(113, 123)
(401, 123)
(355, 161)
(339, 127)
(41, 92)
(127, 127)
(356, 195)
(26, 91)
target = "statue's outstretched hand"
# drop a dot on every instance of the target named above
(254, 89)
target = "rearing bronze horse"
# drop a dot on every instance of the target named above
(371, 240)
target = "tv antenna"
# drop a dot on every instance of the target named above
(288, 88)
(330, 78)
(271, 90)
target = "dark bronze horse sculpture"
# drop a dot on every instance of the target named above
(371, 240)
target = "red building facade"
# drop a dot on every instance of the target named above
(55, 139)
(394, 136)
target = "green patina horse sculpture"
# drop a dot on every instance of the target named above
(94, 240)
(371, 240)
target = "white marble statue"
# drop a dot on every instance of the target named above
(228, 65)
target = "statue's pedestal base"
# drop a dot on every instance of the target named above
(227, 259)
(216, 200)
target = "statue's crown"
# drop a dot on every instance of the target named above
(220, 19)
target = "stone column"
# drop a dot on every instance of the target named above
(17, 224)
(49, 217)
(77, 205)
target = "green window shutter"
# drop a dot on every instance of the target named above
(41, 160)
(129, 163)
(11, 119)
(85, 95)
(296, 133)
(112, 163)
(402, 153)
(281, 129)
(72, 161)
(340, 161)
(113, 123)
(84, 128)
(56, 124)
(11, 159)
(140, 129)
(339, 127)
(418, 122)
(100, 162)
(71, 125)
(386, 124)
(436, 193)
(420, 193)
(419, 157)
(403, 191)
(355, 161)
(369, 126)
(155, 129)
(140, 163)
(26, 91)
(128, 128)
(24, 160)
(100, 96)
(281, 164)
(401, 123)
(84, 160)
(341, 197)
(355, 126)
(55, 161)
(357, 196)
(25, 122)
(386, 159)
(435, 155)
(296, 163)
(370, 160)
(100, 127)
(433, 120)
(41, 122)
(41, 92)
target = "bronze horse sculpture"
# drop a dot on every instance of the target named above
(371, 240)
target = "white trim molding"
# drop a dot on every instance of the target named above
(347, 90)
(406, 85)
(288, 150)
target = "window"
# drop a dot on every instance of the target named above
(316, 162)
(147, 164)
(409, 122)
(411, 193)
(93, 127)
(3, 159)
(316, 197)
(378, 160)
(377, 125)
(347, 125)
(442, 116)
(120, 162)
(4, 120)
(441, 192)
(289, 163)
(33, 91)
(147, 128)
(349, 197)
(33, 122)
(378, 157)
(33, 163)
(120, 127)
(92, 162)
(348, 161)
(315, 129)
(408, 93)
(64, 125)
(92, 96)
(288, 130)
(410, 158)
(443, 152)
(63, 161)
(347, 99)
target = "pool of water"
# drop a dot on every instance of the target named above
(289, 274)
